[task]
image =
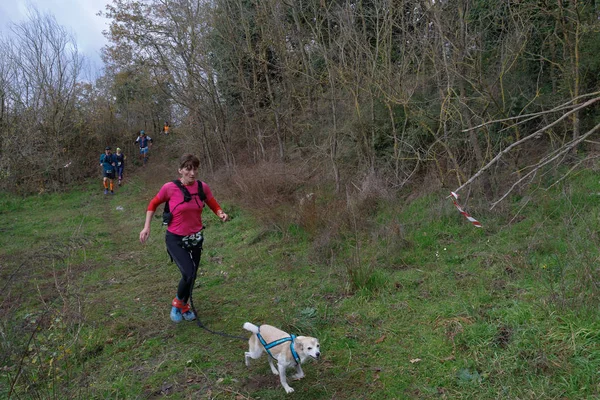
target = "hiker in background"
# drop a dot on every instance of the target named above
(186, 198)
(144, 141)
(166, 128)
(108, 164)
(120, 158)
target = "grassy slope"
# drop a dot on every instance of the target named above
(419, 304)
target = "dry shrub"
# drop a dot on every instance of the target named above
(284, 194)
(307, 214)
(335, 218)
(364, 196)
(333, 221)
(267, 184)
(423, 184)
(270, 189)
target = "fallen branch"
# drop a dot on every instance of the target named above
(548, 159)
(562, 107)
(531, 136)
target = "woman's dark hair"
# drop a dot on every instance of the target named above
(189, 161)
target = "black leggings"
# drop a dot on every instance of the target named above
(187, 261)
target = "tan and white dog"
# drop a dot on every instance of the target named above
(288, 350)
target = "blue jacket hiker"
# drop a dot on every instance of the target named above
(108, 163)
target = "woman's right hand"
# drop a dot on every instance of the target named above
(144, 235)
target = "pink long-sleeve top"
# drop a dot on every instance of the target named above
(187, 217)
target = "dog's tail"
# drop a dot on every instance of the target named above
(251, 327)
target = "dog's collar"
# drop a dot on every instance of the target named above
(277, 342)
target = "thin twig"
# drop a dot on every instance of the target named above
(25, 351)
(571, 170)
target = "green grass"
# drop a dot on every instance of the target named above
(414, 302)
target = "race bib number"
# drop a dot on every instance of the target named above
(192, 241)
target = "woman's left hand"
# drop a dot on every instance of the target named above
(222, 215)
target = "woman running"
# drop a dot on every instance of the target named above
(186, 198)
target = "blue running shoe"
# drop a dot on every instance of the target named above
(176, 315)
(105, 191)
(189, 315)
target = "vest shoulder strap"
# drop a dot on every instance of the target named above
(201, 191)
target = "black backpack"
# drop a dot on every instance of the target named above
(167, 214)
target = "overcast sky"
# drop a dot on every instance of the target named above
(77, 16)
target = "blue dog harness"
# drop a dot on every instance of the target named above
(268, 346)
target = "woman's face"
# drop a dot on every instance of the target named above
(188, 175)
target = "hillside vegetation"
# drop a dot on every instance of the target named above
(356, 90)
(408, 299)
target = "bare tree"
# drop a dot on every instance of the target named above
(39, 92)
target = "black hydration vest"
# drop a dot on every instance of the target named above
(167, 214)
